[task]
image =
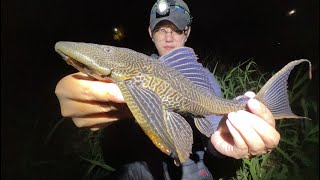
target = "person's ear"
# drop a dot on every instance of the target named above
(188, 33)
(150, 32)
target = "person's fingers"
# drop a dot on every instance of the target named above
(262, 111)
(72, 108)
(250, 94)
(81, 87)
(267, 133)
(237, 138)
(240, 148)
(228, 141)
(240, 121)
(265, 126)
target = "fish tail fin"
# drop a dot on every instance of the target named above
(274, 93)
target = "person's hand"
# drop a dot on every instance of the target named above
(90, 103)
(244, 135)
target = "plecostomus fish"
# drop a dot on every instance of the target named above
(159, 91)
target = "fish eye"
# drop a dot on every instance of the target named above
(106, 49)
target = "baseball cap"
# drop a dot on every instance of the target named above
(178, 14)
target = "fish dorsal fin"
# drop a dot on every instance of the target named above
(184, 60)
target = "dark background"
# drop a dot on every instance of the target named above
(231, 30)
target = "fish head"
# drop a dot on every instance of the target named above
(99, 61)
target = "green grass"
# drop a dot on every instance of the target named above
(96, 168)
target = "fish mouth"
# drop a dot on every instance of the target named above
(84, 68)
(79, 66)
(76, 64)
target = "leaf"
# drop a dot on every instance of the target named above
(97, 163)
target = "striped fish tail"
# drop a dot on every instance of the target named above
(274, 93)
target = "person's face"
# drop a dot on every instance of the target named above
(166, 37)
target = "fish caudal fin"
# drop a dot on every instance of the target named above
(274, 93)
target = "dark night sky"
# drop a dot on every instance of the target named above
(234, 30)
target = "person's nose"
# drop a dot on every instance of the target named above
(169, 37)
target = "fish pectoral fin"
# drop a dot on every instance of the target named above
(204, 125)
(146, 107)
(181, 133)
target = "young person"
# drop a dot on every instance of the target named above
(95, 104)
